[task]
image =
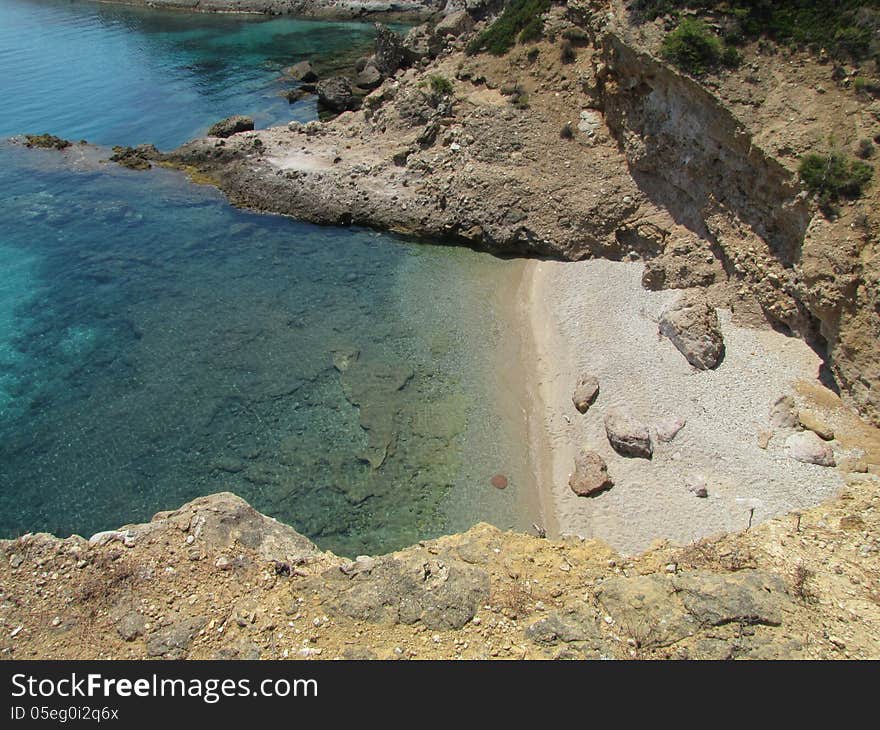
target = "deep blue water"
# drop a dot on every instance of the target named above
(157, 344)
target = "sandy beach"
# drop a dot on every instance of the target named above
(595, 317)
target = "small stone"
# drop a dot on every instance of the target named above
(56, 621)
(499, 481)
(764, 439)
(15, 560)
(627, 435)
(701, 492)
(783, 413)
(586, 390)
(222, 562)
(668, 428)
(590, 475)
(807, 447)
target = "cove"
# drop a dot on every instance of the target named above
(157, 344)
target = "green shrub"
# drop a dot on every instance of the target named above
(866, 86)
(695, 49)
(439, 85)
(521, 18)
(576, 35)
(566, 52)
(566, 132)
(832, 177)
(846, 29)
(532, 55)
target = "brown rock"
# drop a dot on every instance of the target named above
(499, 481)
(691, 324)
(585, 393)
(814, 423)
(628, 436)
(590, 475)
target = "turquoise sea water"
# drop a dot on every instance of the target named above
(157, 344)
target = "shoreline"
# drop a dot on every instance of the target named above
(303, 9)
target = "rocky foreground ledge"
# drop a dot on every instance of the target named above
(217, 579)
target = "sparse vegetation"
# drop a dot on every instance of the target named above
(865, 149)
(566, 132)
(845, 29)
(833, 176)
(866, 86)
(696, 49)
(532, 55)
(801, 588)
(566, 52)
(521, 19)
(439, 85)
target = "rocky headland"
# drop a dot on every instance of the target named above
(732, 406)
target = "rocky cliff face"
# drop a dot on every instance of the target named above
(692, 156)
(216, 579)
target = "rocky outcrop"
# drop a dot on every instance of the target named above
(691, 324)
(216, 579)
(231, 125)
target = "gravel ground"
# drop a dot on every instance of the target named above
(594, 316)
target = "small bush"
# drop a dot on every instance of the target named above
(577, 36)
(520, 100)
(865, 149)
(566, 132)
(439, 85)
(695, 49)
(832, 177)
(866, 86)
(532, 55)
(521, 18)
(566, 52)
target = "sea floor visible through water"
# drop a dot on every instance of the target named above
(157, 344)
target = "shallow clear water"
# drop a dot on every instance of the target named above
(119, 75)
(157, 344)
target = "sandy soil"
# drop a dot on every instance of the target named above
(594, 316)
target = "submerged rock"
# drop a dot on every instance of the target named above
(590, 475)
(586, 390)
(302, 71)
(135, 158)
(627, 435)
(499, 481)
(691, 324)
(46, 141)
(807, 447)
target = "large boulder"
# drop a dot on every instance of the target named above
(231, 125)
(454, 24)
(590, 475)
(691, 324)
(807, 447)
(369, 77)
(336, 94)
(627, 435)
(391, 53)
